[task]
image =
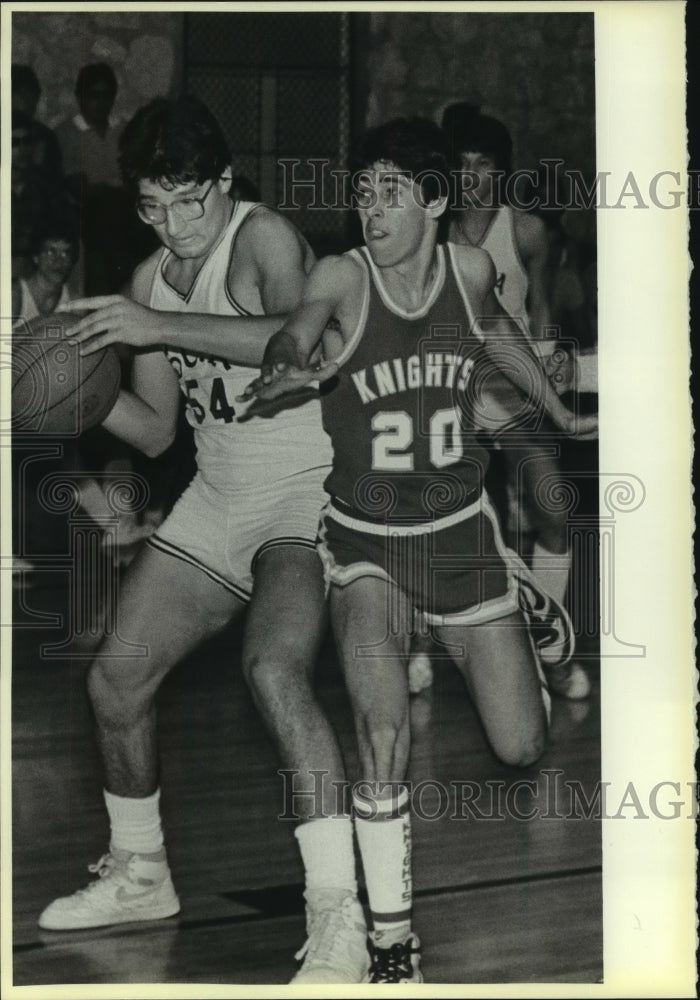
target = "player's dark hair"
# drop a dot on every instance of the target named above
(24, 78)
(173, 141)
(416, 146)
(56, 226)
(468, 131)
(95, 73)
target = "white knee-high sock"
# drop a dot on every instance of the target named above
(327, 852)
(551, 570)
(135, 823)
(383, 827)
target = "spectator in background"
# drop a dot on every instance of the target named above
(89, 140)
(89, 144)
(30, 196)
(54, 251)
(46, 152)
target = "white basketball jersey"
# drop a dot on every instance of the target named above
(28, 308)
(511, 276)
(236, 450)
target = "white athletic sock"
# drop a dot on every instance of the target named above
(383, 828)
(551, 569)
(327, 853)
(135, 823)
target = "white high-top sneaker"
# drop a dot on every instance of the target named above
(130, 887)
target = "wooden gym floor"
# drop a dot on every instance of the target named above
(497, 899)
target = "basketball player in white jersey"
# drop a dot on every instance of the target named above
(408, 529)
(240, 537)
(516, 241)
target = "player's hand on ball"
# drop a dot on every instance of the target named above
(115, 319)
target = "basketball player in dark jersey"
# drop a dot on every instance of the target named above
(408, 529)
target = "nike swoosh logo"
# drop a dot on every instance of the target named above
(122, 896)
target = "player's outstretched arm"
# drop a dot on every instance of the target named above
(511, 351)
(516, 359)
(289, 360)
(118, 319)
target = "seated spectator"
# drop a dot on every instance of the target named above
(54, 251)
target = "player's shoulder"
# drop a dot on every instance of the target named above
(338, 272)
(530, 231)
(263, 224)
(265, 233)
(474, 264)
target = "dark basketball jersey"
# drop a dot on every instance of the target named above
(399, 412)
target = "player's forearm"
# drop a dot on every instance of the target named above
(295, 344)
(586, 372)
(239, 339)
(132, 420)
(516, 359)
(284, 348)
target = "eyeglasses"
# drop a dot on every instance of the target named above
(57, 253)
(186, 209)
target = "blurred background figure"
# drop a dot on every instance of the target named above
(30, 195)
(45, 150)
(89, 142)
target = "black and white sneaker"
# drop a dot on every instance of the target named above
(549, 622)
(553, 635)
(400, 963)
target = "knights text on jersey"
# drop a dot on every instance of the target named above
(236, 449)
(398, 412)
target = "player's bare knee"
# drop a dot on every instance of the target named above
(269, 672)
(521, 752)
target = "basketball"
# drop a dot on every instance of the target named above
(54, 389)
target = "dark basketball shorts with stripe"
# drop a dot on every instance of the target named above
(454, 570)
(224, 534)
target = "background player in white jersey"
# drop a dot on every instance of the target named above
(242, 534)
(408, 528)
(481, 149)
